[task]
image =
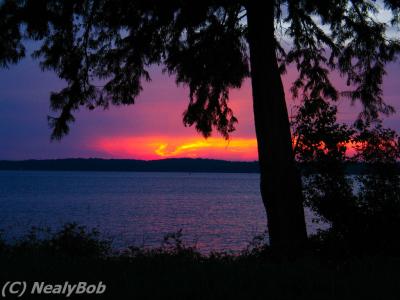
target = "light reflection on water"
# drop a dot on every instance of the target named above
(215, 211)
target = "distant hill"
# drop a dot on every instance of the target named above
(131, 165)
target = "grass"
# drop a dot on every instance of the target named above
(175, 271)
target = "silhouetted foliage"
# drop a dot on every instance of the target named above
(363, 210)
(71, 240)
(183, 273)
(321, 145)
(379, 193)
(103, 49)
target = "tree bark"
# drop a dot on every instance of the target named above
(280, 181)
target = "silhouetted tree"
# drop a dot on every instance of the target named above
(321, 146)
(103, 50)
(379, 193)
(363, 209)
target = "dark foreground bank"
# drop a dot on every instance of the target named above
(175, 271)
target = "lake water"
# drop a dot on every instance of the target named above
(215, 211)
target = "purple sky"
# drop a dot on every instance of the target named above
(138, 131)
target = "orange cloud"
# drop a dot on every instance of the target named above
(156, 147)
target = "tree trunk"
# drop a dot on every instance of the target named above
(280, 180)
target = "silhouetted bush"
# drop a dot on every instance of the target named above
(71, 240)
(363, 210)
(177, 271)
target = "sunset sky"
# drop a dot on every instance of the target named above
(150, 129)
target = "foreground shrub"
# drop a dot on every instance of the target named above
(176, 271)
(363, 210)
(71, 240)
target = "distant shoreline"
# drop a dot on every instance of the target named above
(131, 165)
(185, 165)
